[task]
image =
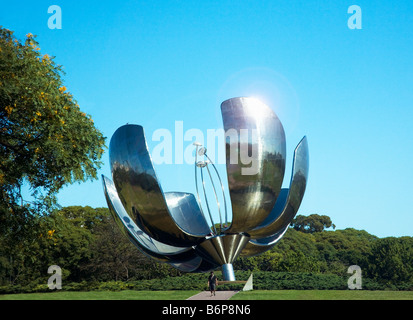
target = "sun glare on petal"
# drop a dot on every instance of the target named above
(256, 108)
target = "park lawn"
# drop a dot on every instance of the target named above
(323, 295)
(248, 295)
(102, 295)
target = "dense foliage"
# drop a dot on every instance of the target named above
(94, 254)
(312, 223)
(46, 141)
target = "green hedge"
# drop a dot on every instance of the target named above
(261, 280)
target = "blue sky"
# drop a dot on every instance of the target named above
(156, 62)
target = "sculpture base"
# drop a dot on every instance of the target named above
(228, 272)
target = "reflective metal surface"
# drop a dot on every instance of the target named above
(155, 249)
(141, 195)
(202, 266)
(252, 128)
(281, 219)
(223, 222)
(184, 259)
(222, 249)
(185, 212)
(228, 272)
(171, 227)
(258, 246)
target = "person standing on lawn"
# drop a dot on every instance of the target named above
(212, 283)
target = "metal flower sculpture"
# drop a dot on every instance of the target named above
(171, 227)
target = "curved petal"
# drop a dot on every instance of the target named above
(295, 195)
(139, 190)
(258, 246)
(199, 265)
(278, 208)
(186, 213)
(150, 247)
(255, 160)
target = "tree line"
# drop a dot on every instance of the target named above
(89, 247)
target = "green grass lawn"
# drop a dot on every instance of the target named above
(323, 295)
(249, 295)
(102, 295)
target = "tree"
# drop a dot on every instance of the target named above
(343, 248)
(71, 239)
(312, 223)
(391, 260)
(114, 257)
(46, 141)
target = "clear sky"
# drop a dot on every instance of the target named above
(156, 62)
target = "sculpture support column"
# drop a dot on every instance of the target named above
(228, 272)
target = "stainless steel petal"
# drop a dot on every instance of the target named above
(197, 266)
(258, 246)
(139, 191)
(255, 160)
(295, 195)
(154, 249)
(278, 208)
(186, 213)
